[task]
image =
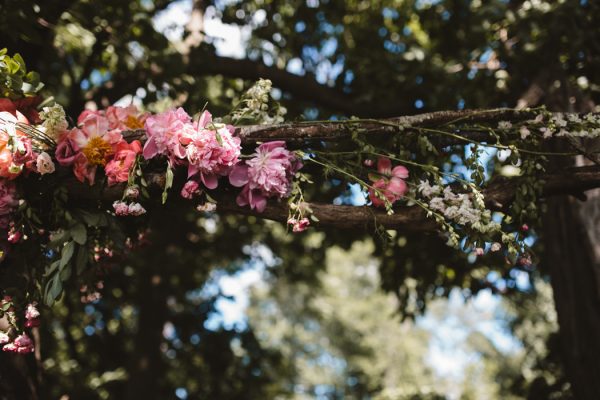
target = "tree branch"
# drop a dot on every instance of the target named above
(335, 130)
(497, 197)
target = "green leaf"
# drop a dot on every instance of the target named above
(53, 290)
(52, 268)
(65, 273)
(59, 238)
(168, 183)
(67, 254)
(81, 259)
(219, 138)
(79, 233)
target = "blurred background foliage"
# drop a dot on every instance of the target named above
(333, 314)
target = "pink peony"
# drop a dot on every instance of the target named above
(163, 131)
(190, 189)
(392, 185)
(8, 200)
(210, 156)
(117, 170)
(268, 174)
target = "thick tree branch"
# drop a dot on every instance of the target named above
(497, 197)
(335, 130)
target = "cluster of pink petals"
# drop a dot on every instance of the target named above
(391, 184)
(268, 174)
(97, 141)
(21, 345)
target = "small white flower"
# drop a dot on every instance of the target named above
(504, 125)
(495, 246)
(524, 132)
(54, 120)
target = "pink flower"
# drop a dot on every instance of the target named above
(21, 345)
(32, 323)
(44, 164)
(8, 200)
(299, 225)
(190, 189)
(268, 174)
(117, 170)
(14, 236)
(4, 338)
(125, 118)
(163, 131)
(23, 152)
(9, 133)
(121, 208)
(31, 312)
(89, 146)
(391, 185)
(132, 192)
(211, 152)
(124, 209)
(66, 151)
(136, 209)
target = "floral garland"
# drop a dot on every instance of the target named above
(118, 146)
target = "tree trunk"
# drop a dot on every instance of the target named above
(146, 367)
(572, 249)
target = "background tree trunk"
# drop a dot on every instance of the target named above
(571, 258)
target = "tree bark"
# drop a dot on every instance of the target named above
(571, 259)
(146, 366)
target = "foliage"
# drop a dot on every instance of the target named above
(401, 56)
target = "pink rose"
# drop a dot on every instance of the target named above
(268, 174)
(44, 164)
(66, 151)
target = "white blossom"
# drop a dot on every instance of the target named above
(53, 120)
